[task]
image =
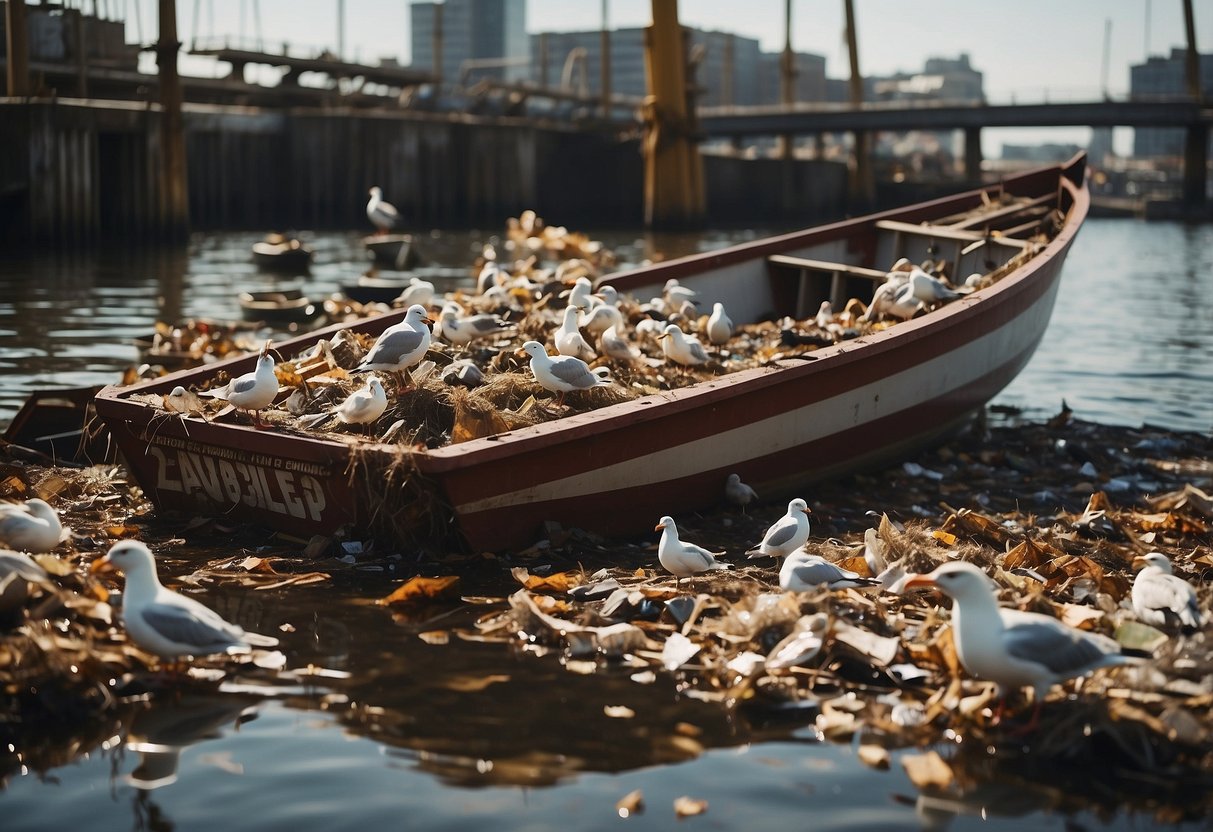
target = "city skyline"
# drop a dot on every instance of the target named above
(1066, 40)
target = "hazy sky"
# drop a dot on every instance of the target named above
(1028, 49)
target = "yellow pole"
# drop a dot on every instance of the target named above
(673, 170)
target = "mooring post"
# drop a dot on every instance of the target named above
(17, 41)
(673, 169)
(1196, 142)
(863, 183)
(972, 154)
(173, 184)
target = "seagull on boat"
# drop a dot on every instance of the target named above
(400, 346)
(597, 320)
(562, 373)
(383, 215)
(720, 328)
(676, 294)
(460, 330)
(251, 392)
(681, 559)
(1161, 598)
(582, 294)
(801, 572)
(614, 344)
(738, 493)
(825, 315)
(182, 401)
(418, 291)
(1014, 648)
(929, 289)
(365, 405)
(165, 623)
(787, 534)
(32, 526)
(569, 340)
(680, 348)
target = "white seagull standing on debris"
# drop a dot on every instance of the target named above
(614, 344)
(787, 534)
(418, 291)
(1013, 648)
(802, 572)
(680, 348)
(365, 405)
(1162, 599)
(383, 215)
(164, 622)
(399, 346)
(738, 493)
(562, 373)
(459, 331)
(675, 294)
(720, 328)
(569, 340)
(32, 526)
(681, 559)
(251, 392)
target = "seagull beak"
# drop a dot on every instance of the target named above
(663, 336)
(807, 510)
(659, 527)
(266, 349)
(427, 320)
(920, 582)
(520, 353)
(101, 564)
(1139, 562)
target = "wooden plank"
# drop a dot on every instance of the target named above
(826, 266)
(947, 232)
(1011, 210)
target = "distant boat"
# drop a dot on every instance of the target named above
(394, 251)
(847, 406)
(282, 253)
(387, 287)
(279, 306)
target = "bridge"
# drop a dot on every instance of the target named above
(812, 119)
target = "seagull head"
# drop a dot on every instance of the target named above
(799, 505)
(126, 556)
(534, 349)
(417, 314)
(666, 522)
(734, 479)
(375, 191)
(960, 580)
(375, 384)
(1155, 559)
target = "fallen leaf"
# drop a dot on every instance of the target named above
(420, 588)
(685, 807)
(875, 756)
(927, 770)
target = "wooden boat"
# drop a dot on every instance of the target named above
(386, 288)
(395, 251)
(279, 306)
(852, 405)
(61, 425)
(280, 253)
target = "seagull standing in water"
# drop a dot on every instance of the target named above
(1162, 599)
(383, 215)
(32, 526)
(787, 534)
(562, 373)
(684, 560)
(165, 623)
(399, 346)
(1013, 648)
(251, 392)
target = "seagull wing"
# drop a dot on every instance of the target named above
(243, 384)
(199, 628)
(392, 346)
(1063, 650)
(782, 532)
(574, 371)
(1169, 595)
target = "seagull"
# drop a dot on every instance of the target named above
(825, 315)
(787, 534)
(399, 346)
(364, 406)
(17, 571)
(459, 331)
(720, 328)
(802, 572)
(569, 340)
(490, 276)
(165, 623)
(562, 373)
(1163, 599)
(930, 289)
(582, 293)
(613, 344)
(676, 294)
(1013, 648)
(681, 349)
(683, 559)
(418, 291)
(800, 645)
(182, 401)
(597, 320)
(738, 493)
(252, 391)
(383, 215)
(32, 526)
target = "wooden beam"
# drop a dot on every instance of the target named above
(17, 42)
(947, 232)
(173, 173)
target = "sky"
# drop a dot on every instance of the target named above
(1028, 50)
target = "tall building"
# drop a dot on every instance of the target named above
(1162, 77)
(484, 37)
